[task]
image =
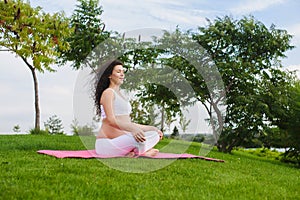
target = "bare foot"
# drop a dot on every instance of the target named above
(130, 154)
(151, 152)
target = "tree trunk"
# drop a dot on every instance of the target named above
(216, 128)
(36, 94)
(226, 145)
(36, 100)
(162, 117)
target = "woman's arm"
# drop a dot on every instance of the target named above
(150, 128)
(146, 127)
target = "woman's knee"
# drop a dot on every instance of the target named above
(151, 134)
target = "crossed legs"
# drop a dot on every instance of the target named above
(126, 145)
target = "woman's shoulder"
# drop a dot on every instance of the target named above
(107, 95)
(108, 92)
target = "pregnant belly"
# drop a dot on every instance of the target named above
(108, 131)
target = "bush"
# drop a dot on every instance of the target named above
(54, 125)
(85, 130)
(264, 152)
(291, 156)
(198, 138)
(175, 134)
(35, 131)
(17, 128)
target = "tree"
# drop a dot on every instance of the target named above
(184, 123)
(75, 127)
(243, 50)
(283, 102)
(175, 133)
(291, 124)
(154, 81)
(273, 96)
(35, 37)
(144, 113)
(184, 74)
(89, 32)
(54, 125)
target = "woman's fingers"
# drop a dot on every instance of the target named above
(160, 133)
(139, 137)
(142, 138)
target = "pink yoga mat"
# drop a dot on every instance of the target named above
(92, 154)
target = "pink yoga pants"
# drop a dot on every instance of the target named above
(126, 143)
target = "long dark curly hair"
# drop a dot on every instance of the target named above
(102, 81)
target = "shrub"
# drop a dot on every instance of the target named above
(75, 127)
(264, 152)
(85, 130)
(198, 138)
(291, 156)
(175, 134)
(17, 128)
(35, 131)
(54, 125)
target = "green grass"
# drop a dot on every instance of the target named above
(26, 174)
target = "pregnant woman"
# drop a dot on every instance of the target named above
(118, 135)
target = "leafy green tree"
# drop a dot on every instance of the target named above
(291, 124)
(35, 37)
(89, 32)
(154, 81)
(282, 98)
(243, 50)
(273, 96)
(167, 75)
(144, 113)
(295, 109)
(165, 99)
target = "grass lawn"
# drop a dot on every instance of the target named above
(26, 174)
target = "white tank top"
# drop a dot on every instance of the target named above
(121, 105)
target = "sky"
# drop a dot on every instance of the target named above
(57, 89)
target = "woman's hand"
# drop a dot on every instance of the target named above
(138, 135)
(160, 133)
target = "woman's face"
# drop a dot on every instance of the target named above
(117, 76)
